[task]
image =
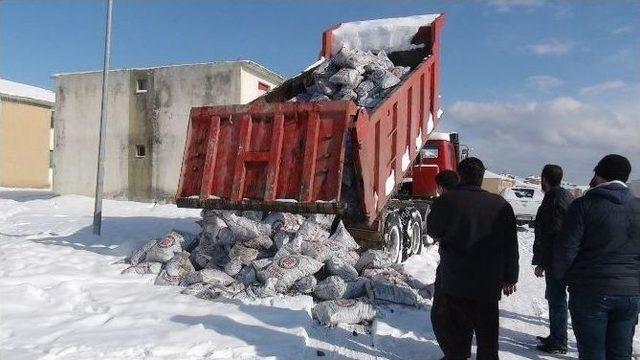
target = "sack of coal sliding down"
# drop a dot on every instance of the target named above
(390, 285)
(334, 287)
(289, 269)
(343, 311)
(150, 267)
(165, 248)
(353, 74)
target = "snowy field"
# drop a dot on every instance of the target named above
(62, 297)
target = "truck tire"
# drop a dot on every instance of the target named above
(413, 232)
(393, 239)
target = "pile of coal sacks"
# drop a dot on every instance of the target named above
(352, 74)
(251, 255)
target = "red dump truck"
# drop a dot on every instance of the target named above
(372, 167)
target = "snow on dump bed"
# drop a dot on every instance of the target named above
(393, 34)
(24, 91)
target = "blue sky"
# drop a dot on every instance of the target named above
(526, 82)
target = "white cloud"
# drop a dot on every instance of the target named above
(622, 30)
(522, 137)
(607, 86)
(622, 56)
(508, 5)
(544, 82)
(551, 47)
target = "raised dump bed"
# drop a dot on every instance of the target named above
(325, 157)
(266, 156)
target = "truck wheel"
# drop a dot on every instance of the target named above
(393, 237)
(413, 232)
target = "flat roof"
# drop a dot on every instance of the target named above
(27, 93)
(249, 63)
(491, 175)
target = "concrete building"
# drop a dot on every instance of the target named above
(495, 183)
(147, 123)
(634, 185)
(25, 135)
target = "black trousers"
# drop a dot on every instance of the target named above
(454, 321)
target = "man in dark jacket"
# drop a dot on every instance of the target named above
(478, 260)
(549, 219)
(598, 255)
(446, 180)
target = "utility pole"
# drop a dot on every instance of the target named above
(97, 212)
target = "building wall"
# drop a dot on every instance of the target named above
(175, 91)
(77, 126)
(496, 185)
(156, 119)
(24, 144)
(140, 155)
(249, 88)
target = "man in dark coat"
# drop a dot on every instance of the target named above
(598, 255)
(478, 260)
(549, 220)
(446, 180)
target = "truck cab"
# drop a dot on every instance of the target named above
(441, 152)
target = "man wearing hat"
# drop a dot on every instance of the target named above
(598, 256)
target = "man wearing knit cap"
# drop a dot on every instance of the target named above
(598, 256)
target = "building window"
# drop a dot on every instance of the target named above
(141, 151)
(263, 87)
(141, 86)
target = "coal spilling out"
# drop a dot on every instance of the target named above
(351, 74)
(251, 255)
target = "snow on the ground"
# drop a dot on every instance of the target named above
(62, 297)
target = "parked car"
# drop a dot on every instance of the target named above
(525, 202)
